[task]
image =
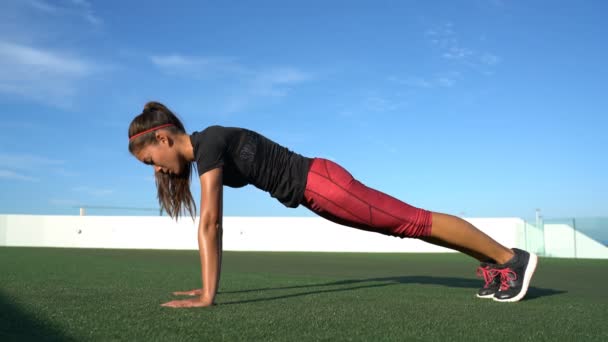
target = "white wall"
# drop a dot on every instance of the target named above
(2, 230)
(561, 240)
(240, 233)
(271, 234)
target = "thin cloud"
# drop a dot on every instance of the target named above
(457, 53)
(253, 84)
(447, 41)
(64, 202)
(489, 59)
(284, 76)
(29, 68)
(26, 161)
(12, 175)
(86, 11)
(42, 6)
(18, 166)
(418, 82)
(446, 80)
(380, 104)
(276, 82)
(19, 125)
(22, 55)
(93, 191)
(64, 172)
(198, 67)
(376, 101)
(41, 74)
(78, 8)
(229, 67)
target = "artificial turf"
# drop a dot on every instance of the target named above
(87, 294)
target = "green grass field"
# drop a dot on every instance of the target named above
(85, 294)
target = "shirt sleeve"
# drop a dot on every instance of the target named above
(211, 149)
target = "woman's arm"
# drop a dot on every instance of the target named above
(210, 233)
(209, 241)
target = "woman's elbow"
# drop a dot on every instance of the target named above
(209, 223)
(209, 228)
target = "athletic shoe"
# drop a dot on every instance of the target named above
(492, 279)
(515, 276)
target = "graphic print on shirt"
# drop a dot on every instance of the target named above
(249, 147)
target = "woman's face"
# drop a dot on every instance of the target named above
(163, 155)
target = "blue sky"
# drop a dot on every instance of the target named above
(479, 108)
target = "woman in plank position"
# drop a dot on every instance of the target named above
(236, 157)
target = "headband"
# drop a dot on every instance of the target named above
(150, 130)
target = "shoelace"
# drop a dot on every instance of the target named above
(488, 274)
(506, 275)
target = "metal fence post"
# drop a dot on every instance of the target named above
(542, 223)
(574, 233)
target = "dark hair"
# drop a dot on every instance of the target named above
(174, 194)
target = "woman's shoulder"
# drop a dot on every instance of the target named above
(216, 132)
(213, 128)
(209, 131)
(220, 129)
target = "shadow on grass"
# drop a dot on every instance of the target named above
(533, 292)
(17, 325)
(537, 292)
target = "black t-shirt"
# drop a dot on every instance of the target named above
(248, 157)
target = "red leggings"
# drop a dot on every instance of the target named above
(334, 194)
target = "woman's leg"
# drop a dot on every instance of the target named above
(456, 233)
(439, 242)
(334, 194)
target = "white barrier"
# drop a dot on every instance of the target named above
(561, 240)
(273, 234)
(240, 233)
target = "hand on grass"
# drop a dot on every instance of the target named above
(195, 292)
(189, 303)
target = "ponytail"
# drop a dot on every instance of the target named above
(173, 191)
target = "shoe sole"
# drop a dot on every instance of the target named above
(528, 273)
(486, 296)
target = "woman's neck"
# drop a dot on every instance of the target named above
(185, 146)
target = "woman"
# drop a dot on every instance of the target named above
(236, 157)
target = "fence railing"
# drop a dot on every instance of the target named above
(111, 210)
(575, 237)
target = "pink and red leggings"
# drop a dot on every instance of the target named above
(333, 193)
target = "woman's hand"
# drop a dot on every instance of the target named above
(195, 292)
(197, 302)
